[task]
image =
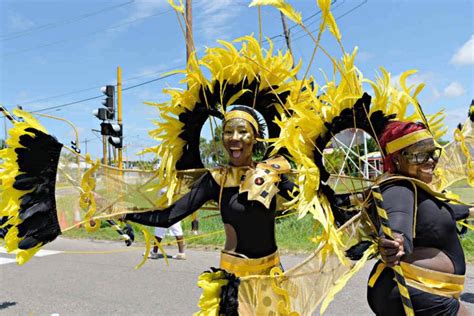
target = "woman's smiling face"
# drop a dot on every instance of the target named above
(238, 138)
(418, 160)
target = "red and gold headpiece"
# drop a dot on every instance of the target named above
(398, 135)
(407, 140)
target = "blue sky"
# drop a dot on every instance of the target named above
(57, 52)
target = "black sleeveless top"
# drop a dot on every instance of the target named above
(435, 222)
(254, 224)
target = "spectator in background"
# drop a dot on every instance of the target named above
(176, 231)
(195, 224)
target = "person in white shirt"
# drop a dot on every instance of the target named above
(174, 230)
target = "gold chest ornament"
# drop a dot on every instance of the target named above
(261, 182)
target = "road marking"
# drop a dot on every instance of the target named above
(40, 253)
(11, 259)
(6, 260)
(44, 252)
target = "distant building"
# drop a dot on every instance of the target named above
(375, 164)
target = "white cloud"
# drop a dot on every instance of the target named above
(140, 10)
(415, 79)
(17, 22)
(155, 70)
(436, 94)
(454, 116)
(150, 95)
(365, 56)
(464, 55)
(453, 90)
(428, 78)
(144, 8)
(215, 18)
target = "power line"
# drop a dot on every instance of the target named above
(101, 96)
(60, 95)
(150, 81)
(333, 9)
(337, 18)
(305, 20)
(316, 13)
(66, 104)
(337, 5)
(93, 88)
(166, 76)
(82, 36)
(43, 27)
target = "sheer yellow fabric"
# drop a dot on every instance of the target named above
(310, 284)
(457, 160)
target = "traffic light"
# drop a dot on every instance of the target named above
(107, 113)
(471, 111)
(101, 113)
(114, 133)
(108, 102)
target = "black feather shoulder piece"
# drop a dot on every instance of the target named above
(28, 178)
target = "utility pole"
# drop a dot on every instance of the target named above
(5, 126)
(111, 152)
(189, 51)
(189, 29)
(104, 150)
(287, 36)
(119, 113)
(85, 144)
(366, 162)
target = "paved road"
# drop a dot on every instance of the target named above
(82, 283)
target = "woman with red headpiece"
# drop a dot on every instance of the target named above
(426, 245)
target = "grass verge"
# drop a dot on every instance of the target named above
(292, 235)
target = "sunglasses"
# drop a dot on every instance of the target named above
(422, 157)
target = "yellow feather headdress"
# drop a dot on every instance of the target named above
(224, 76)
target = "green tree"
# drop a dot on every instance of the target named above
(442, 142)
(2, 144)
(334, 160)
(205, 151)
(212, 151)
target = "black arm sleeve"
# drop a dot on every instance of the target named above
(399, 201)
(342, 199)
(203, 190)
(460, 211)
(285, 186)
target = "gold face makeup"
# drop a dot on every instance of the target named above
(419, 160)
(238, 138)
